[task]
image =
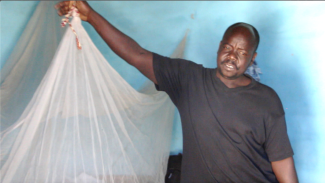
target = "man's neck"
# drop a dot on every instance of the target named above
(234, 83)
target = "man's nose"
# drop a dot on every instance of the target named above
(232, 56)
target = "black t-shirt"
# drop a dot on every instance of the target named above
(229, 134)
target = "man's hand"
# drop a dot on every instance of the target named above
(82, 6)
(285, 171)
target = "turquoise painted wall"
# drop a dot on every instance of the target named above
(291, 54)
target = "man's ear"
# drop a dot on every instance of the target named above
(253, 59)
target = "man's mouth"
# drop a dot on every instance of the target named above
(230, 66)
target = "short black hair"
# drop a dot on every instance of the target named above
(257, 36)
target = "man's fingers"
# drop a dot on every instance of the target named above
(59, 5)
(71, 3)
(67, 6)
(62, 12)
(62, 7)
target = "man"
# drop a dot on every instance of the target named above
(233, 127)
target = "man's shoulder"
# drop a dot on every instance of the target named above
(268, 95)
(266, 90)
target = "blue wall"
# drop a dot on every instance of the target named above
(291, 54)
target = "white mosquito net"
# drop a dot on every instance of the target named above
(68, 116)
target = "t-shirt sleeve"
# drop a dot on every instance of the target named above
(171, 75)
(277, 144)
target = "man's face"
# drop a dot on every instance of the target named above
(236, 52)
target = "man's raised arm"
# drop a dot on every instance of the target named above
(121, 44)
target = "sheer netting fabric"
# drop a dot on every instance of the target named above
(81, 121)
(28, 62)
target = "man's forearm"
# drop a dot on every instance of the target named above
(285, 171)
(121, 44)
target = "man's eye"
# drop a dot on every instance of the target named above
(243, 53)
(227, 47)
